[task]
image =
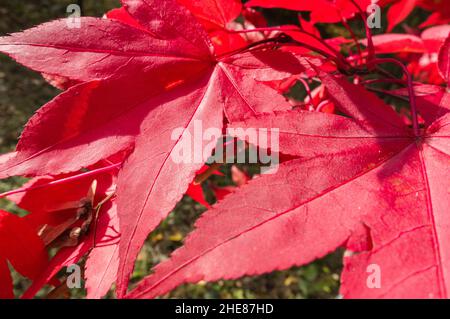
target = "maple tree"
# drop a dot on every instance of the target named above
(355, 171)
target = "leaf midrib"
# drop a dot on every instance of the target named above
(104, 51)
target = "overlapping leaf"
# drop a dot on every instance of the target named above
(163, 79)
(321, 11)
(20, 246)
(152, 68)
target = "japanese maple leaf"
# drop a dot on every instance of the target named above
(138, 87)
(440, 12)
(195, 191)
(326, 11)
(435, 36)
(309, 207)
(432, 67)
(424, 68)
(429, 67)
(214, 14)
(437, 18)
(429, 41)
(22, 247)
(399, 11)
(397, 42)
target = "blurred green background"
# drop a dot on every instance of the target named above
(23, 91)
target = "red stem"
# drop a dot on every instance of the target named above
(370, 46)
(388, 93)
(372, 81)
(281, 29)
(352, 34)
(336, 60)
(61, 181)
(337, 55)
(258, 44)
(412, 96)
(308, 90)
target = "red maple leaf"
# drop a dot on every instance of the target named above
(327, 11)
(401, 9)
(19, 245)
(139, 82)
(402, 185)
(188, 84)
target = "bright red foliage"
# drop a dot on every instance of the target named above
(22, 247)
(368, 178)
